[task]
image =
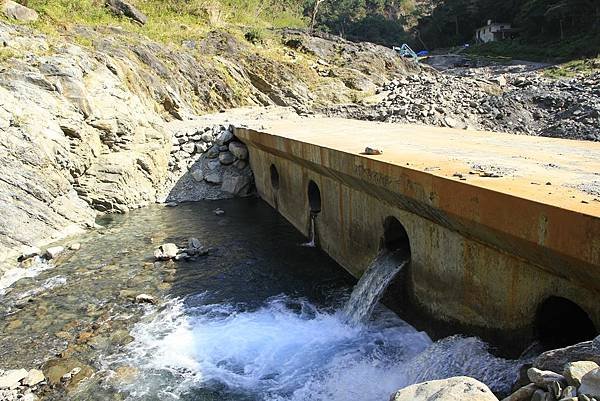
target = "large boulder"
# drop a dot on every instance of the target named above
(459, 388)
(590, 384)
(574, 371)
(17, 11)
(121, 7)
(556, 359)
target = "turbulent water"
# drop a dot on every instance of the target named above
(370, 287)
(260, 319)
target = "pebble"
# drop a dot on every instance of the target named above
(219, 212)
(29, 252)
(145, 299)
(75, 247)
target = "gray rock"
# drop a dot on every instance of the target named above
(236, 185)
(198, 175)
(11, 379)
(166, 251)
(145, 299)
(574, 371)
(239, 150)
(240, 164)
(194, 243)
(189, 148)
(75, 247)
(121, 7)
(555, 360)
(539, 395)
(214, 177)
(17, 11)
(450, 122)
(53, 252)
(522, 394)
(226, 158)
(590, 384)
(453, 389)
(568, 392)
(372, 151)
(543, 378)
(224, 138)
(33, 377)
(201, 147)
(207, 137)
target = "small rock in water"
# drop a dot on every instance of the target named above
(166, 251)
(219, 212)
(145, 299)
(75, 247)
(194, 243)
(11, 378)
(53, 252)
(33, 377)
(372, 151)
(29, 252)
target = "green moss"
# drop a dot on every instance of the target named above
(573, 68)
(6, 53)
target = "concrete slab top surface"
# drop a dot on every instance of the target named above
(558, 172)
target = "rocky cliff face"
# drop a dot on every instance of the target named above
(87, 128)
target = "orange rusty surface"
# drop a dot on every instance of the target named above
(545, 192)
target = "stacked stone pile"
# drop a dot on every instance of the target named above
(208, 163)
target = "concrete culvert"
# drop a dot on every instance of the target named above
(274, 177)
(314, 197)
(395, 238)
(560, 322)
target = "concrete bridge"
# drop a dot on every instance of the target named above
(503, 231)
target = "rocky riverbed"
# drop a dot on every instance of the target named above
(510, 98)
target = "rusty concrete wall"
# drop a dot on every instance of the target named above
(455, 278)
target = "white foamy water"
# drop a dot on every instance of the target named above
(11, 276)
(371, 286)
(289, 350)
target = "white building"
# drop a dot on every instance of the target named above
(494, 31)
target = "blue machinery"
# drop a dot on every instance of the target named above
(406, 51)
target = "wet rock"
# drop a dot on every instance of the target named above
(145, 299)
(542, 378)
(198, 175)
(239, 150)
(34, 376)
(460, 388)
(126, 374)
(568, 392)
(237, 185)
(590, 384)
(166, 251)
(219, 212)
(171, 204)
(215, 177)
(11, 378)
(16, 11)
(120, 7)
(522, 394)
(53, 252)
(226, 158)
(194, 243)
(75, 247)
(574, 371)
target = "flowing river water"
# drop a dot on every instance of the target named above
(259, 318)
